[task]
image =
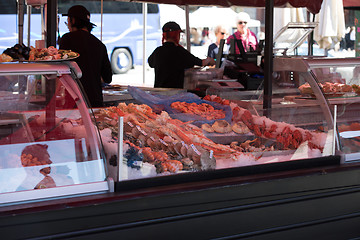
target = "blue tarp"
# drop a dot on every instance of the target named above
(162, 102)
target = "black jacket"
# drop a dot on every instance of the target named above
(170, 62)
(93, 62)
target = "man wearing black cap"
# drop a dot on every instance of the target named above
(170, 60)
(93, 60)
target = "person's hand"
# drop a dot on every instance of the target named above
(208, 61)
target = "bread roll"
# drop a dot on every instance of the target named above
(206, 127)
(240, 128)
(221, 126)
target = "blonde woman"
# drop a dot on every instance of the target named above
(220, 33)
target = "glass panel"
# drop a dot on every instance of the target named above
(47, 138)
(291, 36)
(340, 85)
(124, 42)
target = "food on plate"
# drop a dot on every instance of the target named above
(5, 58)
(222, 126)
(328, 88)
(240, 127)
(355, 126)
(18, 52)
(333, 88)
(207, 127)
(203, 109)
(50, 53)
(305, 89)
(346, 88)
(67, 54)
(356, 88)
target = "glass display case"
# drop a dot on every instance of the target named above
(332, 86)
(185, 134)
(49, 141)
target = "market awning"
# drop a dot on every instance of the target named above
(282, 16)
(351, 3)
(312, 5)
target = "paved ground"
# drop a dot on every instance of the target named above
(134, 77)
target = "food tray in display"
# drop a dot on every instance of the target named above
(227, 138)
(327, 95)
(57, 60)
(115, 87)
(114, 92)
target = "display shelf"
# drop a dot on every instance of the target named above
(50, 143)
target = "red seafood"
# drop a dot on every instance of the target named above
(204, 110)
(287, 135)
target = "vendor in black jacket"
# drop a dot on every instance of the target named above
(170, 60)
(93, 61)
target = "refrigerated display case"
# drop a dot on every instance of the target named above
(49, 150)
(159, 140)
(331, 85)
(299, 126)
(292, 186)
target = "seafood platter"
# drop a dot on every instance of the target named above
(23, 54)
(51, 54)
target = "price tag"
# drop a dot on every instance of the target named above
(130, 124)
(140, 130)
(163, 142)
(195, 149)
(184, 144)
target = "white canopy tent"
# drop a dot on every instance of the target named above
(214, 16)
(172, 13)
(282, 16)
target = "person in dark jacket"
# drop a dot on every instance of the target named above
(170, 60)
(93, 60)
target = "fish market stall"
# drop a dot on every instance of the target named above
(180, 165)
(183, 159)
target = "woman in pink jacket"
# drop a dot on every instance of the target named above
(244, 34)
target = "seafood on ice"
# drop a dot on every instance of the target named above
(287, 136)
(203, 109)
(162, 139)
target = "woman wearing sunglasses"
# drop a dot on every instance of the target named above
(220, 33)
(244, 34)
